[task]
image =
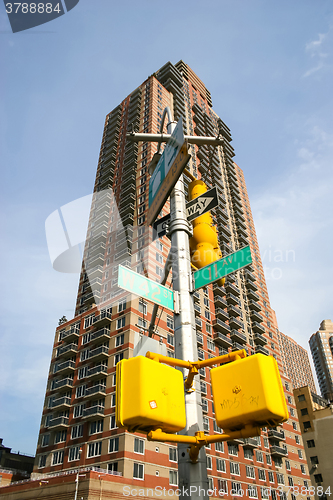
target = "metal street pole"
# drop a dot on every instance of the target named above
(193, 480)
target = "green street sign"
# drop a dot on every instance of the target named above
(222, 267)
(144, 287)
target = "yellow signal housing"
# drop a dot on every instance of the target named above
(149, 396)
(204, 244)
(248, 392)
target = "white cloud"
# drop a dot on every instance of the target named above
(315, 51)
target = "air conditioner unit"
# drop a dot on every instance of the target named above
(315, 466)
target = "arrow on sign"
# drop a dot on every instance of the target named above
(194, 209)
(202, 204)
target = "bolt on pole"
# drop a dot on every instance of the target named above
(193, 480)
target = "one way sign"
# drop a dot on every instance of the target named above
(194, 209)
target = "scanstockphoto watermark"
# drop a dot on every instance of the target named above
(25, 15)
(275, 261)
(162, 492)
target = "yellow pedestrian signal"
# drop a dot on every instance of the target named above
(248, 392)
(149, 395)
(204, 244)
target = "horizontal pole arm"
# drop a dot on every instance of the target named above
(168, 361)
(191, 139)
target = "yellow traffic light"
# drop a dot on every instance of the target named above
(149, 395)
(204, 244)
(248, 392)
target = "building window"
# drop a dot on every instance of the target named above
(60, 437)
(210, 345)
(94, 449)
(114, 445)
(252, 491)
(173, 454)
(303, 469)
(236, 489)
(271, 476)
(42, 461)
(120, 340)
(314, 460)
(205, 424)
(288, 467)
(219, 446)
(318, 478)
(250, 471)
(96, 427)
(170, 339)
(248, 454)
(118, 357)
(234, 468)
(173, 477)
(259, 456)
(139, 446)
(300, 454)
(113, 467)
(74, 453)
(113, 422)
(222, 487)
(77, 431)
(58, 457)
(209, 462)
(220, 465)
(46, 439)
(304, 411)
(138, 471)
(261, 474)
(269, 460)
(120, 322)
(295, 426)
(279, 478)
(80, 391)
(301, 397)
(297, 439)
(311, 443)
(264, 493)
(78, 410)
(170, 322)
(159, 271)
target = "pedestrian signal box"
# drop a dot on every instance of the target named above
(248, 391)
(149, 395)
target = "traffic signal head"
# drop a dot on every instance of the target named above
(149, 395)
(204, 243)
(248, 392)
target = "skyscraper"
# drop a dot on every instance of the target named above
(78, 423)
(296, 362)
(321, 345)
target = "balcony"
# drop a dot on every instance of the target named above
(255, 316)
(90, 298)
(98, 390)
(243, 240)
(219, 301)
(221, 326)
(95, 260)
(97, 372)
(222, 340)
(236, 324)
(250, 443)
(277, 451)
(197, 310)
(99, 353)
(198, 323)
(61, 403)
(221, 314)
(238, 337)
(67, 350)
(232, 289)
(231, 299)
(275, 435)
(238, 347)
(196, 297)
(59, 423)
(253, 295)
(72, 334)
(102, 320)
(103, 334)
(199, 339)
(250, 285)
(234, 311)
(261, 350)
(259, 339)
(257, 328)
(66, 367)
(64, 383)
(93, 412)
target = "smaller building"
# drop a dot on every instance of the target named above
(296, 363)
(14, 466)
(321, 345)
(316, 421)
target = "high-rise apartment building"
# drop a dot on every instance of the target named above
(296, 363)
(321, 345)
(78, 423)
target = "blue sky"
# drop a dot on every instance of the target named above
(268, 66)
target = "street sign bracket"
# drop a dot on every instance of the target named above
(176, 303)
